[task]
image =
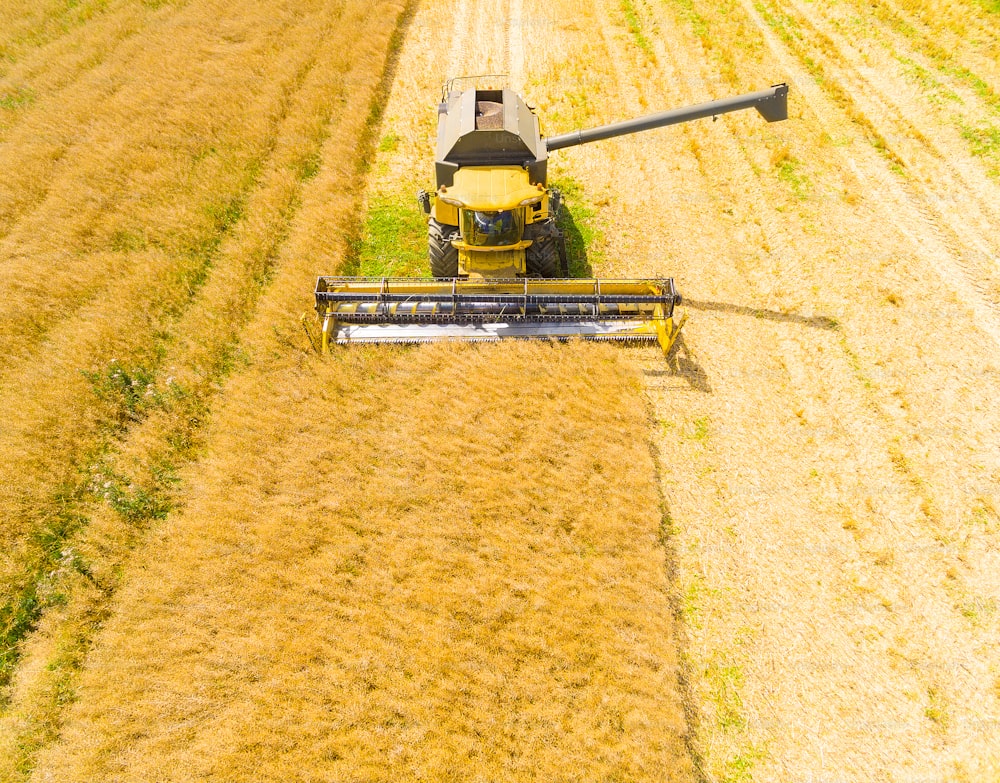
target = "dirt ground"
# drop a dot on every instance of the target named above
(802, 531)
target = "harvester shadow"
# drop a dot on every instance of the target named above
(681, 362)
(815, 321)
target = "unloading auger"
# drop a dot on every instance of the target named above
(496, 251)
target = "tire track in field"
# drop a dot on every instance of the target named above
(951, 192)
(515, 44)
(902, 206)
(457, 56)
(481, 40)
(978, 32)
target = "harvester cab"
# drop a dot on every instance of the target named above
(497, 253)
(492, 214)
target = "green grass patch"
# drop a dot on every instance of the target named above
(33, 592)
(17, 98)
(134, 503)
(697, 22)
(789, 172)
(855, 362)
(976, 609)
(980, 87)
(127, 391)
(393, 240)
(926, 80)
(724, 683)
(127, 241)
(984, 142)
(309, 165)
(786, 27)
(739, 768)
(389, 142)
(692, 600)
(579, 223)
(635, 27)
(572, 109)
(936, 710)
(18, 617)
(698, 430)
(984, 513)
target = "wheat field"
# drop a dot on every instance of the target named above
(772, 557)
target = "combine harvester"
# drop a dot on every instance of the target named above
(496, 252)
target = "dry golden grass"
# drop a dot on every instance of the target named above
(400, 565)
(126, 234)
(194, 348)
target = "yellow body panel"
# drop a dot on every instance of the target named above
(491, 188)
(444, 213)
(501, 262)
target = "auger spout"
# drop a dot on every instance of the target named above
(772, 104)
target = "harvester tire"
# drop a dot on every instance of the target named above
(443, 254)
(542, 257)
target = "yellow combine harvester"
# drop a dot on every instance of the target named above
(496, 250)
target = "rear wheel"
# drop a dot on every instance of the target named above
(443, 255)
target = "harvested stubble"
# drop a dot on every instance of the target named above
(398, 565)
(832, 484)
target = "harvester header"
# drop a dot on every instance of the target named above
(497, 252)
(414, 309)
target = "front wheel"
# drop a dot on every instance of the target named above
(542, 258)
(546, 256)
(442, 253)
